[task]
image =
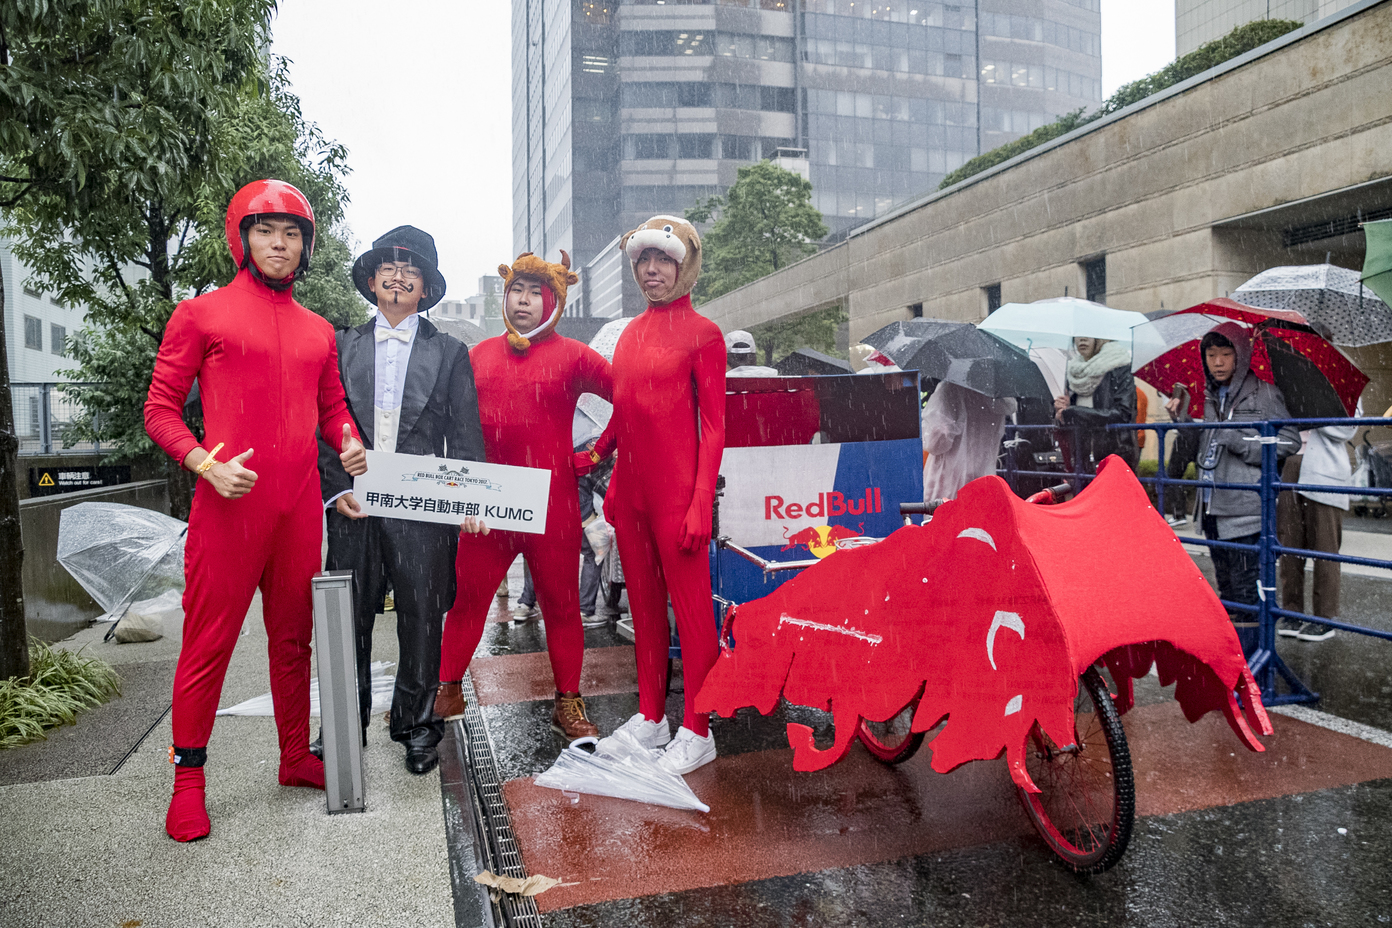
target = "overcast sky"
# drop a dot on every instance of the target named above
(419, 91)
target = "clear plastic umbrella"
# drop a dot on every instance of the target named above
(621, 768)
(592, 413)
(1056, 322)
(120, 554)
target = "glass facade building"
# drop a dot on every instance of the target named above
(626, 109)
(1200, 21)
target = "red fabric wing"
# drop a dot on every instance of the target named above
(993, 609)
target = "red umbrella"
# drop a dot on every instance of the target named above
(1316, 378)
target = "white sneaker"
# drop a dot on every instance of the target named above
(687, 751)
(651, 735)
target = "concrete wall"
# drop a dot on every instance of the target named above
(55, 606)
(1308, 116)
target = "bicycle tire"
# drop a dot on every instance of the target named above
(891, 741)
(1086, 806)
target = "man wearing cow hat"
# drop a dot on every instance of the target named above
(268, 375)
(528, 383)
(410, 389)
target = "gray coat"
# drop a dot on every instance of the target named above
(1234, 455)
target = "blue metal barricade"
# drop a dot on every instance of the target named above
(1267, 666)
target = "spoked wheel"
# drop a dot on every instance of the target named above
(1087, 800)
(892, 741)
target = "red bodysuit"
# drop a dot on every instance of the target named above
(527, 404)
(669, 367)
(268, 374)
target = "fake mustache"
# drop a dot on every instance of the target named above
(405, 285)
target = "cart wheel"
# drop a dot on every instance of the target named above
(894, 741)
(1087, 800)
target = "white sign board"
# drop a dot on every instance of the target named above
(430, 489)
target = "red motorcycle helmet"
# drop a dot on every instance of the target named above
(262, 198)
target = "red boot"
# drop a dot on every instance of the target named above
(187, 819)
(307, 771)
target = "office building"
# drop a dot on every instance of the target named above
(1200, 21)
(626, 109)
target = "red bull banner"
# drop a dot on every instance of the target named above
(806, 500)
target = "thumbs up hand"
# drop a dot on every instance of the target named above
(232, 479)
(352, 454)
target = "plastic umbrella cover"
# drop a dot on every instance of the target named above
(622, 769)
(591, 412)
(120, 554)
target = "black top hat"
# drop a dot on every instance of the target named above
(404, 243)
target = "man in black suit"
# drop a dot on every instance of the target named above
(410, 389)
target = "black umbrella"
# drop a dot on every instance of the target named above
(960, 353)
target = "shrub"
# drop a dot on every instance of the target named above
(60, 684)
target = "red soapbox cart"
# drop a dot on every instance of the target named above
(993, 622)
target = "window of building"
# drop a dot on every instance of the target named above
(916, 310)
(32, 291)
(777, 99)
(695, 146)
(33, 333)
(693, 94)
(58, 340)
(648, 147)
(1095, 273)
(739, 147)
(992, 296)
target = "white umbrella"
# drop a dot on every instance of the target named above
(1054, 323)
(120, 553)
(1053, 364)
(621, 768)
(591, 412)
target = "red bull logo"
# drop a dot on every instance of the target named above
(819, 539)
(827, 505)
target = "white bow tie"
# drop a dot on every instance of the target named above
(384, 333)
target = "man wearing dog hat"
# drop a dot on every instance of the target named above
(669, 427)
(529, 381)
(410, 389)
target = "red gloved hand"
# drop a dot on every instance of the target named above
(582, 462)
(696, 527)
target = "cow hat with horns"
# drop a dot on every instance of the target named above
(554, 279)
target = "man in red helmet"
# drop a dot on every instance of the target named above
(528, 383)
(268, 376)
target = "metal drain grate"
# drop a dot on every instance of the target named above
(504, 856)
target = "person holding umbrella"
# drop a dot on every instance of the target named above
(1234, 393)
(1101, 392)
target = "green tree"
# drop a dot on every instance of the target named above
(816, 330)
(133, 259)
(764, 222)
(124, 127)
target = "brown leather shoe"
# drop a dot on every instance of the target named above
(568, 717)
(449, 701)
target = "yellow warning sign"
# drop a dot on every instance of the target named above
(46, 480)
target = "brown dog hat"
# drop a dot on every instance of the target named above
(674, 237)
(554, 279)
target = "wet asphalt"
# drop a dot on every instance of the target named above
(1321, 858)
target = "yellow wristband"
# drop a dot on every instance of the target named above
(209, 461)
